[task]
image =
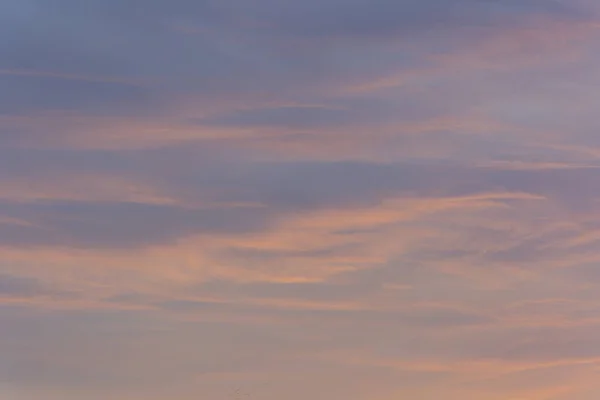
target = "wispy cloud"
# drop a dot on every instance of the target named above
(362, 199)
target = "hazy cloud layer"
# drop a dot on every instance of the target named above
(280, 199)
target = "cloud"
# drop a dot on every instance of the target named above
(369, 199)
(120, 224)
(17, 287)
(203, 196)
(405, 18)
(229, 56)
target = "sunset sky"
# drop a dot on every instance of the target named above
(299, 200)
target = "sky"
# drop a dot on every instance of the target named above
(291, 200)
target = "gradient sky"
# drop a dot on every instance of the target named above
(292, 200)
